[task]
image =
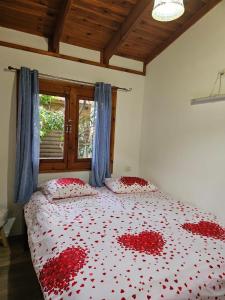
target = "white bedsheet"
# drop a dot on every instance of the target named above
(97, 248)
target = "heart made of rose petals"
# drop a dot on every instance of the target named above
(149, 242)
(67, 181)
(128, 181)
(58, 272)
(205, 228)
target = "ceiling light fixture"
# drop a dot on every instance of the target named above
(167, 10)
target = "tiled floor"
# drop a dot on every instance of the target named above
(17, 278)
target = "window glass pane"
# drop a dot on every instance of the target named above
(85, 128)
(52, 119)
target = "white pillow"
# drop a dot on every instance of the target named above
(67, 188)
(126, 185)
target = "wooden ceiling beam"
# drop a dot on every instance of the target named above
(185, 26)
(54, 41)
(68, 57)
(128, 25)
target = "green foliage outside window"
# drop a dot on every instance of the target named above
(46, 99)
(50, 120)
(85, 136)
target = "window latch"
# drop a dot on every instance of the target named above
(69, 126)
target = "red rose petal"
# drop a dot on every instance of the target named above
(58, 272)
(149, 242)
(208, 229)
(67, 181)
(128, 181)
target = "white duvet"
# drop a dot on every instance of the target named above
(125, 247)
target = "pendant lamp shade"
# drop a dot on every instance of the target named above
(167, 10)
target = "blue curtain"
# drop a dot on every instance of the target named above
(27, 136)
(101, 143)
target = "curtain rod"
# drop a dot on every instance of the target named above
(13, 69)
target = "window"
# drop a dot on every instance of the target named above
(67, 126)
(52, 121)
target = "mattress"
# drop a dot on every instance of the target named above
(125, 247)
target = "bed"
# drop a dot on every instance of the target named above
(125, 247)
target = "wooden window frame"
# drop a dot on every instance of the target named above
(73, 93)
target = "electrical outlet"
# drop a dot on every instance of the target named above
(127, 169)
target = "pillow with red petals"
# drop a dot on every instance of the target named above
(62, 188)
(127, 185)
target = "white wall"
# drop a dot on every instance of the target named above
(183, 146)
(128, 119)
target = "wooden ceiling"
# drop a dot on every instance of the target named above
(121, 27)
